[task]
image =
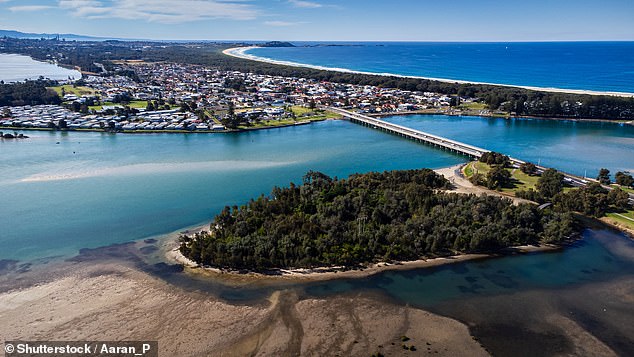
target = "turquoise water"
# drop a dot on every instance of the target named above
(600, 66)
(65, 191)
(95, 189)
(14, 68)
(575, 147)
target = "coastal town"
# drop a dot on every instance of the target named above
(138, 96)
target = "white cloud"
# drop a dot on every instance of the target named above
(163, 11)
(282, 23)
(28, 8)
(305, 4)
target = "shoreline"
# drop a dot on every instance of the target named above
(49, 62)
(332, 273)
(226, 131)
(240, 52)
(504, 117)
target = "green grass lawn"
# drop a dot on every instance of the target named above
(626, 189)
(473, 106)
(521, 181)
(282, 122)
(299, 110)
(468, 170)
(622, 218)
(137, 104)
(69, 89)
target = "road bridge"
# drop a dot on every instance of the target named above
(417, 135)
(471, 151)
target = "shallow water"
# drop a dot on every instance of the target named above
(67, 191)
(62, 192)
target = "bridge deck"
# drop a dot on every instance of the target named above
(447, 144)
(439, 141)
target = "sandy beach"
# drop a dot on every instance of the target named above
(240, 52)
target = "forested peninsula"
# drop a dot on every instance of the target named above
(368, 218)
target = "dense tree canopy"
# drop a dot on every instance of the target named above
(604, 176)
(28, 93)
(495, 158)
(397, 215)
(624, 179)
(528, 168)
(550, 183)
(593, 200)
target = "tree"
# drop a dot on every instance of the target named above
(397, 215)
(477, 179)
(624, 179)
(498, 177)
(619, 198)
(528, 168)
(495, 158)
(550, 183)
(604, 176)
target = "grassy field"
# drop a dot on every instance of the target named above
(625, 218)
(69, 89)
(626, 189)
(304, 112)
(284, 122)
(473, 106)
(521, 181)
(137, 104)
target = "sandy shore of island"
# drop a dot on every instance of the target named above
(112, 301)
(240, 52)
(331, 273)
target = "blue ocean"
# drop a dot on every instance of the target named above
(595, 66)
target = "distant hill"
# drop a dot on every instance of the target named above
(277, 44)
(66, 36)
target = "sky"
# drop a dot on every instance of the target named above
(327, 20)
